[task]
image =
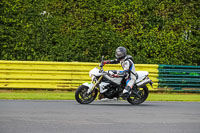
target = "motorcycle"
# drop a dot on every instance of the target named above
(110, 85)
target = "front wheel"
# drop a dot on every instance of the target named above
(135, 100)
(83, 97)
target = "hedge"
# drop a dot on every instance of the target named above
(153, 31)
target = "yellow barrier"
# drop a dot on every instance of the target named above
(55, 75)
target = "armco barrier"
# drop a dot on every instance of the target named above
(179, 78)
(56, 75)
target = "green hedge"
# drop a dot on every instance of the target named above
(153, 31)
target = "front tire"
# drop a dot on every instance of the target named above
(135, 100)
(82, 97)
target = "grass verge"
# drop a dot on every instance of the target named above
(66, 95)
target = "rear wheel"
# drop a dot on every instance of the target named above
(143, 94)
(83, 97)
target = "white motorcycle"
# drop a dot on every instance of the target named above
(110, 85)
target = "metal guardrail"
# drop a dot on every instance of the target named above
(179, 78)
(55, 75)
(69, 75)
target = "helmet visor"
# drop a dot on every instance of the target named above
(118, 54)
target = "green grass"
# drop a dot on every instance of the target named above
(66, 95)
(37, 95)
(189, 97)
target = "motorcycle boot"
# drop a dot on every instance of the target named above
(126, 92)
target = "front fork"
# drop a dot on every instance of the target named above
(93, 86)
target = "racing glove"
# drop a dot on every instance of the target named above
(104, 62)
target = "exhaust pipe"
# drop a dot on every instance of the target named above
(144, 82)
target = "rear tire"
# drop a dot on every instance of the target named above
(82, 97)
(135, 100)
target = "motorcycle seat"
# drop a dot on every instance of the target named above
(141, 75)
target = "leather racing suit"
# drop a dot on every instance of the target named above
(128, 70)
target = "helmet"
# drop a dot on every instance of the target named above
(120, 53)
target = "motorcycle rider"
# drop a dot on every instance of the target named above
(128, 70)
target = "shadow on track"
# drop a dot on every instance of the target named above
(117, 103)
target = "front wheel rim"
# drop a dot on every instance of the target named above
(83, 97)
(83, 94)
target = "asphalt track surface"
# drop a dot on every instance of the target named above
(33, 116)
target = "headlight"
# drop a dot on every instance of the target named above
(93, 78)
(90, 75)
